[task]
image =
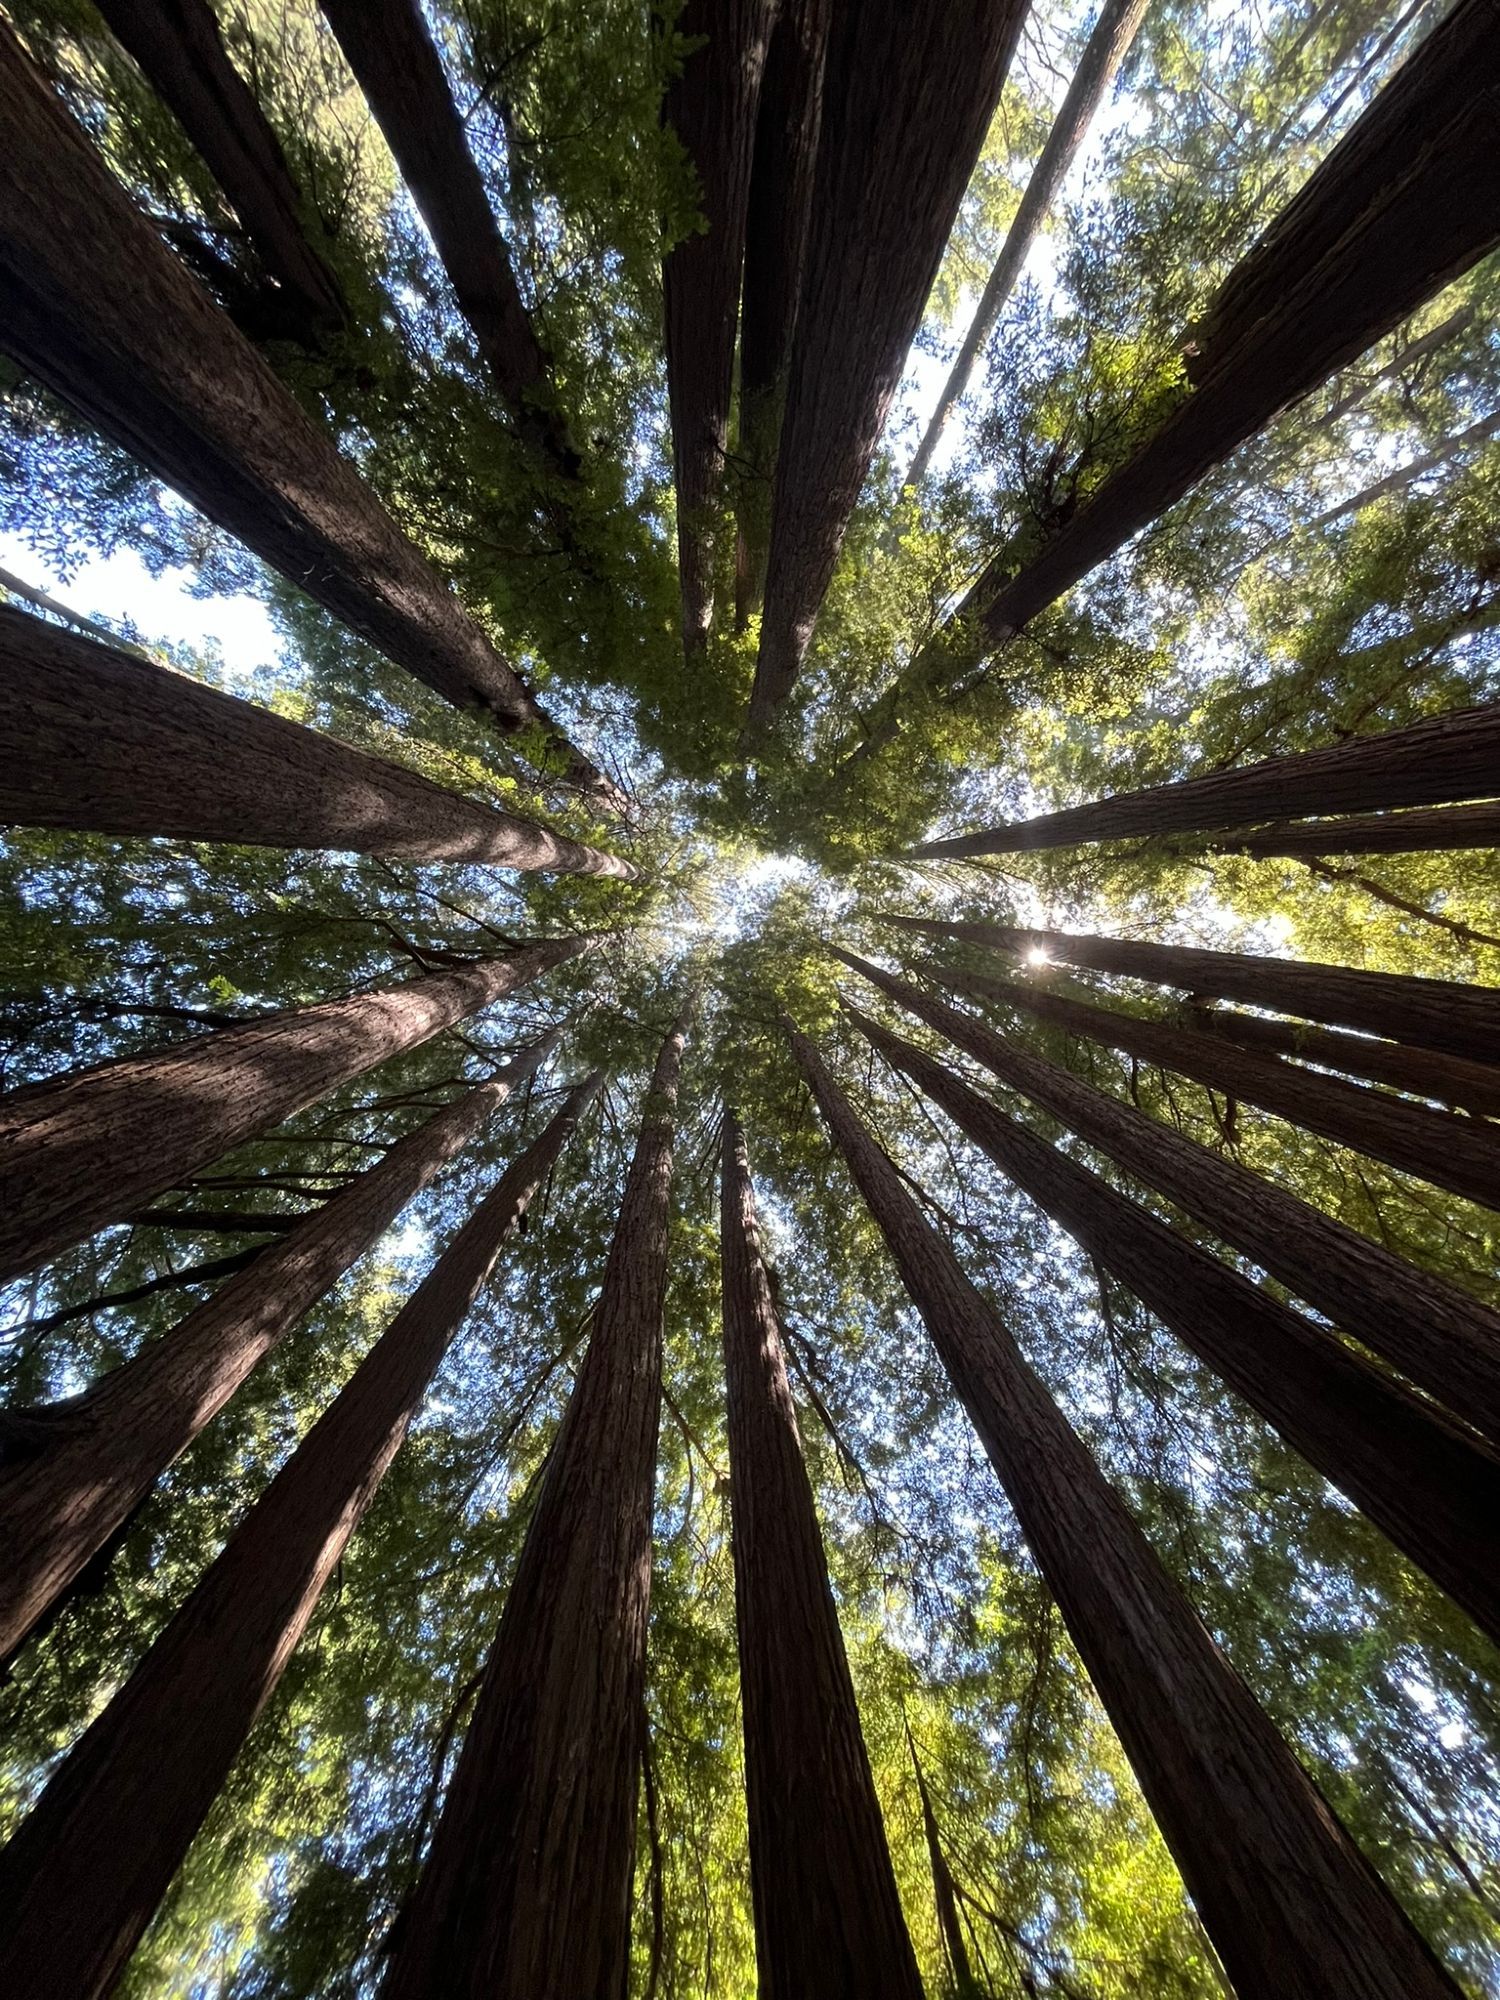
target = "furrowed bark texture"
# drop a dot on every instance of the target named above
(1452, 1152)
(180, 51)
(80, 1880)
(776, 227)
(711, 107)
(1442, 830)
(1430, 1486)
(94, 305)
(828, 1916)
(1470, 1086)
(81, 1466)
(1408, 201)
(105, 742)
(1293, 1909)
(387, 45)
(1432, 1331)
(1443, 1014)
(1436, 762)
(1107, 47)
(82, 1149)
(526, 1888)
(907, 101)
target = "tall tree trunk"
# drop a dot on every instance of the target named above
(1108, 45)
(1413, 350)
(1430, 1486)
(1445, 829)
(776, 229)
(1432, 1331)
(387, 45)
(81, 1879)
(1469, 1086)
(944, 1890)
(71, 1473)
(1293, 1909)
(1406, 475)
(181, 53)
(1439, 761)
(712, 108)
(94, 304)
(105, 742)
(1443, 1014)
(907, 100)
(828, 1918)
(87, 1147)
(1460, 1154)
(526, 1888)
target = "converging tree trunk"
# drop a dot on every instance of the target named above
(526, 1888)
(1430, 1486)
(1445, 829)
(828, 1917)
(82, 1149)
(72, 1473)
(1439, 1336)
(181, 53)
(81, 1879)
(907, 101)
(1406, 475)
(105, 742)
(1293, 1909)
(94, 305)
(1108, 45)
(1468, 1086)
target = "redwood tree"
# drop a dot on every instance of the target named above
(1445, 829)
(1470, 1086)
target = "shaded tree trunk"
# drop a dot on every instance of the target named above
(526, 1888)
(1438, 761)
(1414, 350)
(101, 741)
(75, 1470)
(181, 53)
(1470, 1086)
(1293, 1909)
(907, 101)
(828, 1918)
(776, 228)
(944, 1889)
(711, 107)
(1108, 45)
(82, 1149)
(81, 1879)
(1407, 475)
(94, 305)
(1443, 830)
(387, 45)
(1443, 1014)
(1435, 1333)
(1430, 1486)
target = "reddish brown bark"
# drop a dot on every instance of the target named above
(80, 1880)
(1468, 1086)
(907, 101)
(828, 1917)
(104, 742)
(80, 1467)
(1432, 1331)
(94, 304)
(87, 1147)
(1444, 830)
(181, 52)
(526, 1888)
(1292, 1907)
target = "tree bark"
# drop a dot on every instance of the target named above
(1469, 1086)
(1439, 761)
(181, 53)
(81, 1879)
(82, 1149)
(526, 1888)
(907, 101)
(828, 1918)
(1456, 1153)
(101, 741)
(1432, 1331)
(80, 1467)
(387, 45)
(1443, 1014)
(776, 229)
(1429, 1485)
(712, 108)
(1445, 829)
(1293, 1909)
(1108, 45)
(94, 305)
